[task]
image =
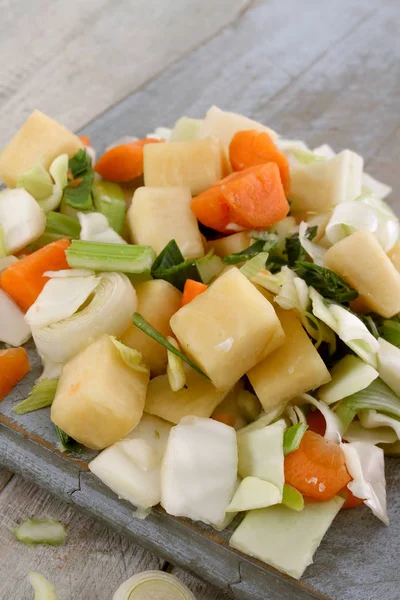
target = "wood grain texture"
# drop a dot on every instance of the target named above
(73, 60)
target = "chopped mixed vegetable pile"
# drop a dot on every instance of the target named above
(217, 310)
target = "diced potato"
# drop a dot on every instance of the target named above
(158, 300)
(394, 255)
(199, 398)
(197, 164)
(231, 244)
(294, 368)
(99, 398)
(227, 329)
(361, 261)
(318, 186)
(158, 215)
(39, 138)
(225, 124)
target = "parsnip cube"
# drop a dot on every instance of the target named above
(197, 164)
(99, 398)
(39, 138)
(158, 300)
(227, 329)
(361, 261)
(394, 255)
(319, 186)
(198, 398)
(158, 215)
(294, 368)
(231, 244)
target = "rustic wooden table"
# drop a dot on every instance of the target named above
(320, 71)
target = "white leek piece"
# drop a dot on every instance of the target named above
(131, 467)
(261, 454)
(370, 419)
(60, 299)
(95, 228)
(378, 435)
(43, 589)
(365, 463)
(59, 172)
(349, 375)
(22, 219)
(334, 427)
(284, 538)
(199, 469)
(13, 328)
(153, 584)
(388, 364)
(110, 311)
(254, 493)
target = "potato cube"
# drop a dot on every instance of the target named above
(198, 398)
(228, 329)
(394, 255)
(197, 164)
(231, 244)
(294, 368)
(158, 215)
(158, 300)
(99, 398)
(361, 261)
(39, 138)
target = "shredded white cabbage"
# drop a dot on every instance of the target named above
(95, 228)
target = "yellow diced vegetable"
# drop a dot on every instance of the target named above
(394, 255)
(231, 244)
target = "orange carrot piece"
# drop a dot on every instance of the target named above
(316, 422)
(226, 418)
(24, 280)
(250, 148)
(191, 290)
(14, 365)
(252, 198)
(123, 163)
(351, 500)
(85, 139)
(317, 468)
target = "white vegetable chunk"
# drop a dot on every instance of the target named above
(284, 538)
(13, 328)
(158, 215)
(22, 219)
(261, 454)
(254, 493)
(365, 463)
(199, 470)
(95, 228)
(349, 375)
(132, 467)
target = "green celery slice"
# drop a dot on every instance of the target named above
(62, 225)
(292, 437)
(149, 330)
(100, 256)
(109, 199)
(41, 531)
(41, 395)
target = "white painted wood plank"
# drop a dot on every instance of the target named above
(75, 59)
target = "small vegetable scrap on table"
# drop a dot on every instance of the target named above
(217, 312)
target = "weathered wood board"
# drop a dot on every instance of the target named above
(323, 72)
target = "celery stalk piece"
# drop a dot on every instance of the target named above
(291, 498)
(100, 256)
(254, 493)
(62, 225)
(284, 538)
(41, 395)
(109, 199)
(43, 589)
(41, 531)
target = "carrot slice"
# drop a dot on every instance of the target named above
(250, 148)
(24, 280)
(316, 422)
(226, 418)
(252, 198)
(191, 290)
(317, 468)
(85, 139)
(123, 163)
(351, 500)
(14, 365)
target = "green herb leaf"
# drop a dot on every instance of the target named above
(149, 330)
(294, 250)
(312, 232)
(41, 531)
(41, 395)
(239, 257)
(171, 266)
(79, 196)
(292, 437)
(325, 281)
